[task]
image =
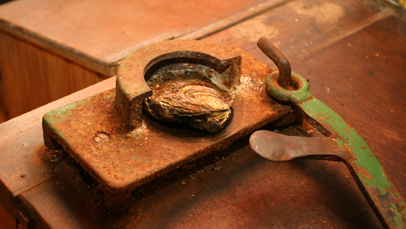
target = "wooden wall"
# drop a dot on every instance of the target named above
(6, 222)
(34, 76)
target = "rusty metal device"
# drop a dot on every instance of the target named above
(341, 142)
(123, 148)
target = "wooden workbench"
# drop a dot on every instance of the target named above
(353, 53)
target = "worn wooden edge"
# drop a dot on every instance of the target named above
(14, 209)
(106, 67)
(28, 127)
(52, 203)
(6, 201)
(218, 25)
(98, 65)
(30, 124)
(6, 221)
(109, 67)
(55, 209)
(381, 15)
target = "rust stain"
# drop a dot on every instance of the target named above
(363, 172)
(139, 66)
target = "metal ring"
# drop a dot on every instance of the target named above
(301, 94)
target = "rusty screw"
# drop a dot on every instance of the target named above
(279, 59)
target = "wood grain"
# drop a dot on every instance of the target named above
(22, 145)
(367, 89)
(44, 61)
(3, 116)
(6, 222)
(358, 72)
(354, 65)
(242, 190)
(33, 77)
(98, 34)
(300, 28)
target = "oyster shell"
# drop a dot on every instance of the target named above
(189, 97)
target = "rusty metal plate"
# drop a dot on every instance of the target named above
(91, 132)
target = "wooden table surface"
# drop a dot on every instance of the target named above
(97, 35)
(50, 49)
(354, 54)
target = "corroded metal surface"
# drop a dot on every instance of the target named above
(93, 133)
(278, 147)
(132, 89)
(279, 59)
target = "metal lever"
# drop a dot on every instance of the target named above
(279, 59)
(341, 143)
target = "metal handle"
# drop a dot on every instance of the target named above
(350, 147)
(278, 58)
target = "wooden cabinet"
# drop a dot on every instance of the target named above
(51, 49)
(6, 222)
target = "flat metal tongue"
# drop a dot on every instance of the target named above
(278, 147)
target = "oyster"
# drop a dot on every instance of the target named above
(189, 97)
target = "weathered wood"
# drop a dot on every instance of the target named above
(367, 89)
(22, 142)
(33, 77)
(359, 72)
(22, 148)
(365, 59)
(300, 28)
(232, 20)
(42, 62)
(3, 116)
(97, 35)
(242, 190)
(45, 202)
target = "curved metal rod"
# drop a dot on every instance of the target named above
(279, 59)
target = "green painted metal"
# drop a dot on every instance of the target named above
(365, 167)
(281, 94)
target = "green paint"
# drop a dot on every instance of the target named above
(140, 159)
(365, 164)
(64, 112)
(300, 95)
(398, 216)
(365, 158)
(108, 95)
(46, 121)
(122, 67)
